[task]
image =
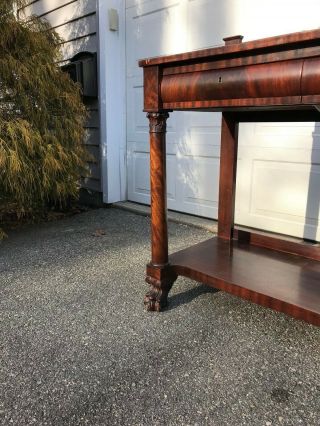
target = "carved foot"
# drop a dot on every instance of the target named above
(157, 297)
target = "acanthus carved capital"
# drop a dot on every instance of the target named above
(157, 121)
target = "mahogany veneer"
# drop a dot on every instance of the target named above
(280, 281)
(273, 79)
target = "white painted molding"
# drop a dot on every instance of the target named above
(112, 101)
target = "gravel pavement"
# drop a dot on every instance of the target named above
(78, 348)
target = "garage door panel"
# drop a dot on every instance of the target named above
(139, 173)
(137, 119)
(198, 119)
(278, 179)
(154, 30)
(209, 151)
(284, 188)
(305, 136)
(199, 176)
(201, 139)
(137, 124)
(192, 161)
(171, 181)
(217, 16)
(187, 179)
(158, 28)
(198, 129)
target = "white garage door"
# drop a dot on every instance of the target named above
(279, 164)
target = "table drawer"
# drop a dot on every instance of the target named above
(272, 80)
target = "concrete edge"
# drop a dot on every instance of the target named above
(186, 219)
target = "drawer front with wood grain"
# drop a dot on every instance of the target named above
(248, 85)
(310, 82)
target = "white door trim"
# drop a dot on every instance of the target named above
(112, 101)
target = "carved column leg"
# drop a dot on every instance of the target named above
(159, 274)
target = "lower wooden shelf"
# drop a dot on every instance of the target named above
(281, 281)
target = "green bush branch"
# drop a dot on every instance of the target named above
(42, 155)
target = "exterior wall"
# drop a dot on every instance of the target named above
(76, 22)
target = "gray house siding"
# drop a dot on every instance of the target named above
(76, 22)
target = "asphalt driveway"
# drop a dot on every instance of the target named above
(77, 347)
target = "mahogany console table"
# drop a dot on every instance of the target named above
(273, 79)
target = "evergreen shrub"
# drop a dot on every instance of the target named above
(41, 118)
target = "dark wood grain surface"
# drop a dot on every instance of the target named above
(228, 172)
(277, 79)
(281, 281)
(296, 246)
(158, 176)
